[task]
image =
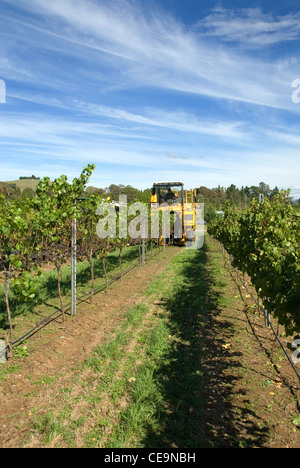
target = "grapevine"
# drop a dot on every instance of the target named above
(38, 230)
(264, 241)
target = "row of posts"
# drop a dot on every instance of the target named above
(266, 313)
(74, 261)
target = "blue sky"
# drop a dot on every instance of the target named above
(151, 90)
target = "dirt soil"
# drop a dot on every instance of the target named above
(263, 394)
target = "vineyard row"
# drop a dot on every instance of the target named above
(38, 230)
(264, 241)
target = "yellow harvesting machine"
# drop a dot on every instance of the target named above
(181, 203)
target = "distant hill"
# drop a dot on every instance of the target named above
(13, 189)
(24, 183)
(33, 183)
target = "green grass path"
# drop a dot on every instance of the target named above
(169, 375)
(149, 386)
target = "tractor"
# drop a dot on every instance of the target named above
(181, 204)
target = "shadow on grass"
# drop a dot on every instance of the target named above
(197, 377)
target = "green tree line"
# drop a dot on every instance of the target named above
(215, 199)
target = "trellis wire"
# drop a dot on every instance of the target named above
(267, 318)
(68, 306)
(269, 324)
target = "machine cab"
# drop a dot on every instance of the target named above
(167, 192)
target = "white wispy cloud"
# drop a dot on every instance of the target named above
(159, 52)
(113, 83)
(250, 26)
(176, 120)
